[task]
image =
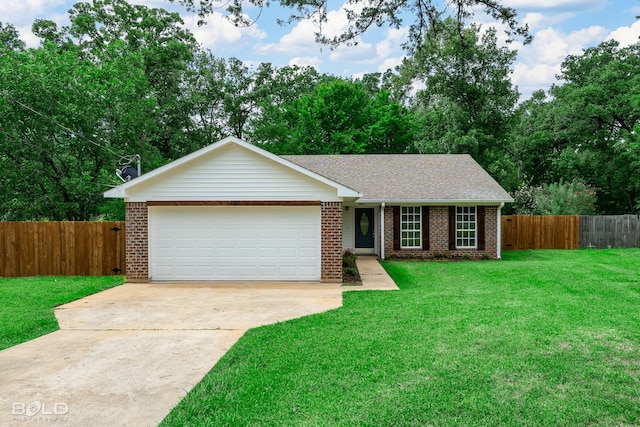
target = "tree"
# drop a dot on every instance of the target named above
(107, 86)
(64, 122)
(588, 129)
(229, 98)
(10, 39)
(329, 121)
(285, 85)
(468, 101)
(340, 117)
(391, 126)
(364, 15)
(165, 46)
(533, 145)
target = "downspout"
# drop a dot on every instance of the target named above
(499, 248)
(382, 230)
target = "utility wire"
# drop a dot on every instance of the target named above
(26, 107)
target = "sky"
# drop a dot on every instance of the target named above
(559, 27)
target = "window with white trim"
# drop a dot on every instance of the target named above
(411, 227)
(466, 227)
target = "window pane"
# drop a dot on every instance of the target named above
(411, 227)
(466, 226)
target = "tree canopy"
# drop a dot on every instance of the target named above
(586, 128)
(424, 15)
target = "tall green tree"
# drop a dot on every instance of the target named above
(330, 120)
(165, 46)
(468, 100)
(64, 122)
(284, 86)
(10, 39)
(109, 85)
(586, 129)
(341, 117)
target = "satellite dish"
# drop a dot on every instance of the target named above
(125, 171)
(128, 173)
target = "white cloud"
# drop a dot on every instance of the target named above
(362, 53)
(540, 62)
(390, 63)
(551, 46)
(387, 53)
(28, 37)
(301, 38)
(22, 12)
(626, 36)
(306, 61)
(158, 4)
(537, 20)
(219, 35)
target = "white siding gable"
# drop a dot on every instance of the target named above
(232, 172)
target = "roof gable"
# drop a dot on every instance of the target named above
(231, 169)
(432, 178)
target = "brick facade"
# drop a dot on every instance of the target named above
(439, 236)
(137, 242)
(331, 241)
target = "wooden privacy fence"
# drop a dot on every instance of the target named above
(540, 232)
(570, 232)
(610, 231)
(61, 248)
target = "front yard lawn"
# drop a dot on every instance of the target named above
(540, 338)
(28, 302)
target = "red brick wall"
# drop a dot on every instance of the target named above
(439, 236)
(388, 231)
(491, 230)
(331, 241)
(137, 242)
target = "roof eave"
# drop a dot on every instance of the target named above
(438, 202)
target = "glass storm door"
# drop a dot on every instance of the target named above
(364, 226)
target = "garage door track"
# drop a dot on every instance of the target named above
(127, 355)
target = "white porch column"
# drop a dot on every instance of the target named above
(382, 230)
(499, 237)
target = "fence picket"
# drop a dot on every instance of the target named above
(616, 231)
(540, 232)
(61, 248)
(570, 232)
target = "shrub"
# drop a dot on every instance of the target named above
(349, 259)
(350, 271)
(558, 198)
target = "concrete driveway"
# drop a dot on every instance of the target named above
(127, 355)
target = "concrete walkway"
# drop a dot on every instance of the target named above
(126, 356)
(374, 277)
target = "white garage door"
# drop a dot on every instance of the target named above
(234, 243)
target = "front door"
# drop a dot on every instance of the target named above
(365, 226)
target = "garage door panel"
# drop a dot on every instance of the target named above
(234, 243)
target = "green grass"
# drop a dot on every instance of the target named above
(28, 302)
(541, 338)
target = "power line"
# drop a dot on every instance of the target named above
(51, 119)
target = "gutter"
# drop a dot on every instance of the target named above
(435, 202)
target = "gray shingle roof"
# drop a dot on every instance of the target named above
(409, 177)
